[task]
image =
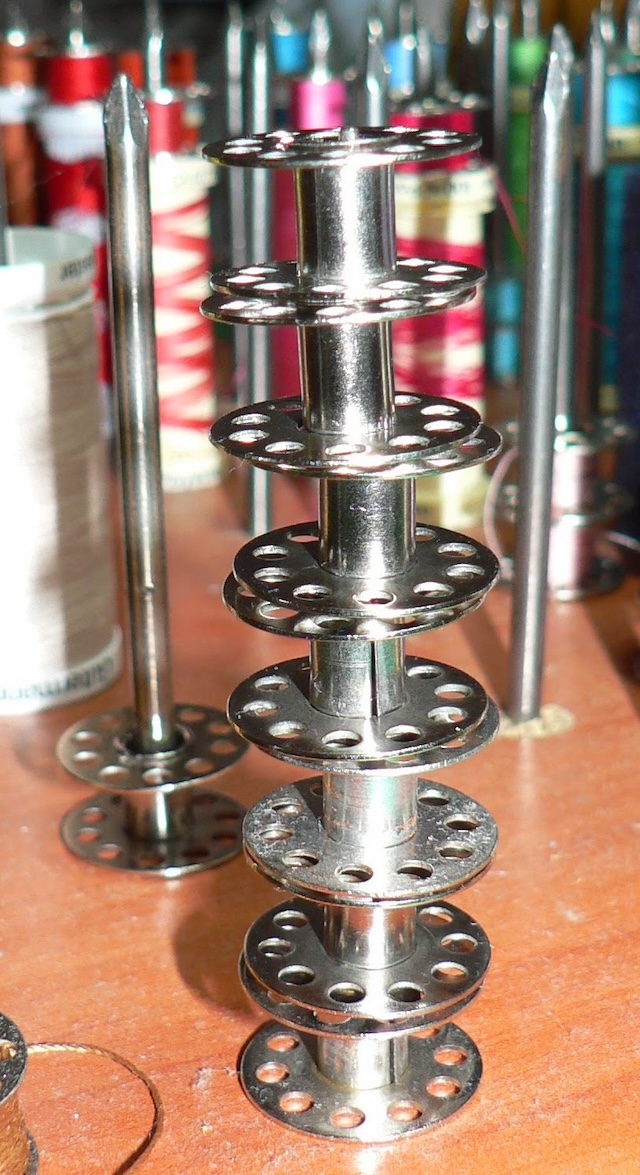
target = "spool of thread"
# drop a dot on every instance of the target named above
(525, 59)
(18, 1152)
(185, 348)
(182, 76)
(440, 213)
(19, 96)
(623, 154)
(72, 135)
(58, 632)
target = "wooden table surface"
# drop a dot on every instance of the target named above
(148, 968)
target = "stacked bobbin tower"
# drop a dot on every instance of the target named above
(366, 962)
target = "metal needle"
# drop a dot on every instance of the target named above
(259, 247)
(550, 172)
(501, 25)
(154, 41)
(132, 308)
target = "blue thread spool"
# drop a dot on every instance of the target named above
(623, 142)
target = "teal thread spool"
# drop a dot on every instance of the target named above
(504, 294)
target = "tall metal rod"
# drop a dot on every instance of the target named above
(154, 47)
(550, 171)
(258, 230)
(591, 212)
(373, 99)
(135, 372)
(501, 25)
(235, 58)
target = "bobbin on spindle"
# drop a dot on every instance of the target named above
(149, 816)
(369, 953)
(18, 1151)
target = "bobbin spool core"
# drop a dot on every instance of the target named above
(13, 1064)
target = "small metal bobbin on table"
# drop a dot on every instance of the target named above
(364, 964)
(153, 763)
(13, 1065)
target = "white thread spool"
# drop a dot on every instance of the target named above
(181, 262)
(58, 631)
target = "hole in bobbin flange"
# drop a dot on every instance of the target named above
(405, 1111)
(443, 1087)
(346, 1118)
(281, 1042)
(296, 1102)
(271, 1073)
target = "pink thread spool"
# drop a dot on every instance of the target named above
(180, 183)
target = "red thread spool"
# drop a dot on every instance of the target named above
(440, 209)
(166, 124)
(72, 78)
(180, 183)
(131, 62)
(70, 127)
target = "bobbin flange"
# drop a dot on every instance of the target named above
(444, 705)
(284, 951)
(283, 568)
(427, 436)
(281, 1078)
(453, 844)
(156, 817)
(277, 293)
(367, 147)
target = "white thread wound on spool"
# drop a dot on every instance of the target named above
(58, 630)
(180, 225)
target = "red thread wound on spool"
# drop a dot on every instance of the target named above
(166, 125)
(72, 78)
(443, 354)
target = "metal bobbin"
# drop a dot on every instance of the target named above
(363, 966)
(152, 763)
(583, 506)
(13, 1134)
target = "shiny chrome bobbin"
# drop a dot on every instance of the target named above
(149, 816)
(363, 966)
(153, 812)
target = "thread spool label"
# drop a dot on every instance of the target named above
(80, 681)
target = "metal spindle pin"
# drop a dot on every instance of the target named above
(151, 817)
(235, 59)
(501, 26)
(591, 211)
(373, 96)
(530, 10)
(258, 229)
(632, 28)
(550, 172)
(154, 41)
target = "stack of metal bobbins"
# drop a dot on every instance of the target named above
(364, 964)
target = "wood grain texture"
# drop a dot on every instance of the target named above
(148, 968)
